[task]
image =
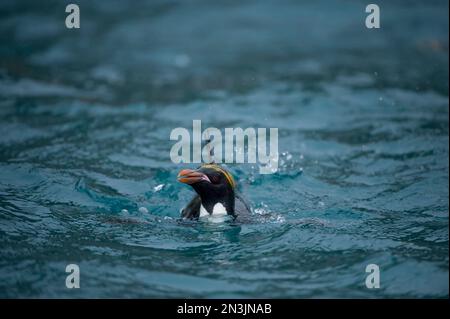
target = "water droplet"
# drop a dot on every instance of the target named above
(143, 210)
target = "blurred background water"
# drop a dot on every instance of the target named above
(85, 118)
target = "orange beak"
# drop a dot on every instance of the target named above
(189, 176)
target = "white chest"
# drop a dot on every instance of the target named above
(219, 211)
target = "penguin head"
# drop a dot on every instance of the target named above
(213, 184)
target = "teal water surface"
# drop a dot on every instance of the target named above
(86, 176)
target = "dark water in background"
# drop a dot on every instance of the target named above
(85, 118)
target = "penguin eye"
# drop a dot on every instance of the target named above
(214, 179)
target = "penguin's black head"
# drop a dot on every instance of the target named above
(213, 184)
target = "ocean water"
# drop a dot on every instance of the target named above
(86, 177)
